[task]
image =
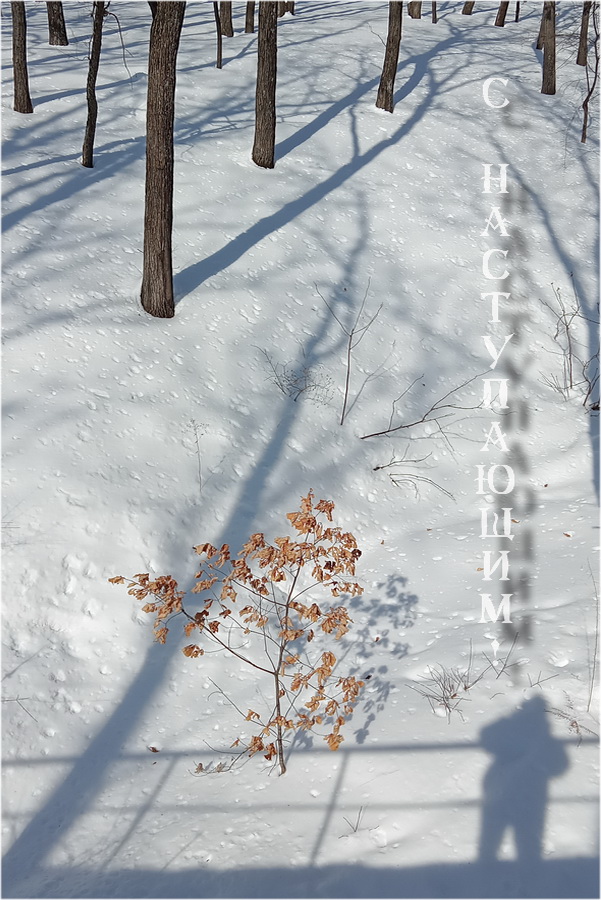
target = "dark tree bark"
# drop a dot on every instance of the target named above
(517, 12)
(385, 98)
(548, 30)
(583, 42)
(22, 100)
(87, 154)
(249, 24)
(468, 8)
(281, 9)
(153, 7)
(263, 153)
(157, 277)
(219, 62)
(414, 10)
(434, 14)
(57, 33)
(502, 13)
(225, 15)
(591, 82)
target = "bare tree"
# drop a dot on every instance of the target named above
(548, 37)
(22, 99)
(414, 10)
(263, 152)
(502, 13)
(517, 12)
(583, 42)
(219, 61)
(468, 8)
(434, 14)
(225, 16)
(249, 24)
(385, 99)
(87, 155)
(592, 75)
(157, 278)
(57, 33)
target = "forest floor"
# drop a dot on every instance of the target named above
(128, 440)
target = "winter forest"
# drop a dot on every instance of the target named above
(300, 449)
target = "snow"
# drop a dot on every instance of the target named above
(128, 440)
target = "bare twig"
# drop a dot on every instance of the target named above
(354, 336)
(433, 414)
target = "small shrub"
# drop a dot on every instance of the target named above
(267, 592)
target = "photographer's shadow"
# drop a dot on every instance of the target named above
(525, 757)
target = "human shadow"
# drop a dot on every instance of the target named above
(525, 757)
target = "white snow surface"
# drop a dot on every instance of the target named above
(110, 416)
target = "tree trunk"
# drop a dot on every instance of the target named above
(263, 153)
(281, 9)
(87, 154)
(22, 100)
(153, 7)
(57, 33)
(414, 10)
(583, 42)
(502, 14)
(517, 12)
(548, 48)
(219, 62)
(157, 277)
(468, 8)
(225, 15)
(385, 98)
(249, 25)
(434, 14)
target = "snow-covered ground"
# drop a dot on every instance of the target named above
(127, 440)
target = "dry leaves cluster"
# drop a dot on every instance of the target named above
(268, 590)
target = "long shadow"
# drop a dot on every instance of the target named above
(186, 281)
(88, 774)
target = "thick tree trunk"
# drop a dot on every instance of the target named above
(249, 24)
(22, 100)
(502, 13)
(434, 14)
(414, 10)
(57, 33)
(468, 8)
(225, 15)
(219, 61)
(548, 48)
(263, 153)
(385, 98)
(153, 7)
(87, 155)
(157, 277)
(583, 42)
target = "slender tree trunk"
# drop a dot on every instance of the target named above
(157, 277)
(219, 61)
(517, 12)
(385, 98)
(468, 8)
(249, 24)
(548, 48)
(225, 15)
(541, 33)
(263, 153)
(583, 42)
(434, 14)
(591, 82)
(57, 33)
(87, 155)
(502, 13)
(153, 7)
(22, 100)
(414, 10)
